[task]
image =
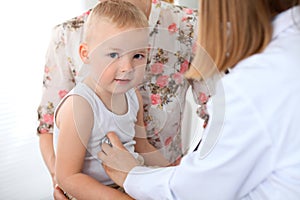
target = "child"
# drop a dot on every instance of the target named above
(114, 51)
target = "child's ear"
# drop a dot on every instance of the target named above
(83, 52)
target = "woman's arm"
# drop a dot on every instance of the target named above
(57, 81)
(151, 155)
(47, 151)
(75, 121)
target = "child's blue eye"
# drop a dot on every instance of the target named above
(113, 55)
(138, 56)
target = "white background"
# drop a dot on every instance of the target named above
(25, 32)
(24, 36)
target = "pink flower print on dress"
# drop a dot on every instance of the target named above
(178, 78)
(168, 141)
(184, 67)
(162, 81)
(43, 130)
(48, 118)
(62, 93)
(203, 98)
(172, 28)
(155, 99)
(184, 19)
(87, 12)
(157, 68)
(154, 1)
(46, 70)
(188, 11)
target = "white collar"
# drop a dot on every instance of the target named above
(286, 19)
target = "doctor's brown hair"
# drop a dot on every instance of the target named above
(169, 1)
(232, 30)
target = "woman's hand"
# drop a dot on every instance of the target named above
(117, 161)
(58, 194)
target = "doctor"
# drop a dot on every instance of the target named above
(256, 151)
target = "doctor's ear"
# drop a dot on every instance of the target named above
(83, 52)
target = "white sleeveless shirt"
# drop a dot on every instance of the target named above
(104, 122)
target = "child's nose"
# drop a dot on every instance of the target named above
(126, 64)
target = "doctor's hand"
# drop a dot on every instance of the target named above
(117, 161)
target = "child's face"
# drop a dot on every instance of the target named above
(118, 57)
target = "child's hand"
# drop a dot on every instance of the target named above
(117, 161)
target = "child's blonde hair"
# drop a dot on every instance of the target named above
(117, 12)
